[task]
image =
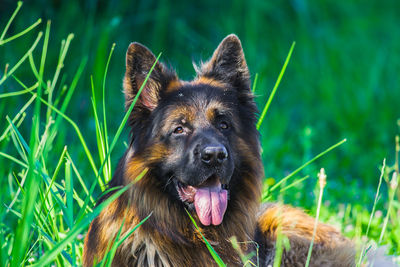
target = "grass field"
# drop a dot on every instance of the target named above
(62, 119)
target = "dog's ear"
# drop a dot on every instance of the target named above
(139, 60)
(227, 64)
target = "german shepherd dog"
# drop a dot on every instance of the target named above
(200, 146)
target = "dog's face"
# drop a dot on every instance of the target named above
(197, 128)
(193, 134)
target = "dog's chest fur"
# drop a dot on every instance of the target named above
(143, 250)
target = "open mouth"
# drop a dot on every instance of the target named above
(210, 199)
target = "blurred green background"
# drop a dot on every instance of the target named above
(342, 80)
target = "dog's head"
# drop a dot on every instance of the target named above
(198, 138)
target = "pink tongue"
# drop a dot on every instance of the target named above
(210, 204)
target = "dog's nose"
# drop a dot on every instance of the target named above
(212, 155)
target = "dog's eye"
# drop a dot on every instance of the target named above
(178, 130)
(223, 125)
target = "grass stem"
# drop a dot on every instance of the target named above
(278, 81)
(322, 183)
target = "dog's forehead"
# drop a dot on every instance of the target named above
(197, 109)
(197, 104)
(203, 97)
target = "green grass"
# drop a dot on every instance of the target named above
(59, 90)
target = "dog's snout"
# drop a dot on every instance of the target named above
(212, 155)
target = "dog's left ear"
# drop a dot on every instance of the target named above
(139, 60)
(227, 64)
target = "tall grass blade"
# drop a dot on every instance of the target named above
(253, 89)
(107, 177)
(322, 183)
(13, 69)
(3, 34)
(17, 116)
(25, 31)
(306, 164)
(278, 81)
(21, 92)
(363, 252)
(392, 192)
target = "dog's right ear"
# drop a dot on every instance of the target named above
(139, 60)
(228, 64)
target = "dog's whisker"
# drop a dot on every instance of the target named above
(170, 179)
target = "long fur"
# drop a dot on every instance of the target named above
(168, 237)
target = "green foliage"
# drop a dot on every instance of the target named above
(341, 82)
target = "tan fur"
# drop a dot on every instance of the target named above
(330, 247)
(174, 85)
(213, 107)
(186, 113)
(208, 81)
